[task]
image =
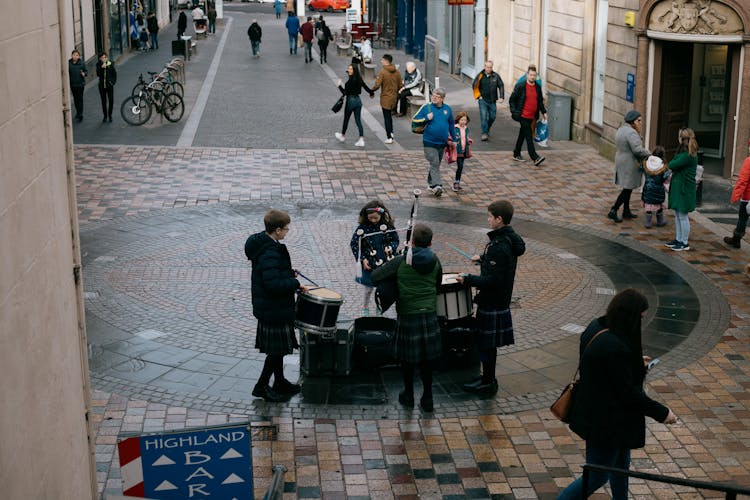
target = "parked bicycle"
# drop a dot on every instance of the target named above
(137, 109)
(164, 77)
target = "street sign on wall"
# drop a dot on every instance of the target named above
(460, 2)
(211, 462)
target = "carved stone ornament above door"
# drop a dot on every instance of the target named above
(698, 17)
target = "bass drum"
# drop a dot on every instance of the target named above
(317, 310)
(454, 299)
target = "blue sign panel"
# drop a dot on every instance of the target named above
(213, 462)
(630, 88)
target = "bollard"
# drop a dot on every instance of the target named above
(276, 488)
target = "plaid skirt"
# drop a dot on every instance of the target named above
(417, 338)
(276, 338)
(494, 328)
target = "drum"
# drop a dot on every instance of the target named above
(454, 299)
(318, 309)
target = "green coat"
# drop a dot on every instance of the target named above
(682, 185)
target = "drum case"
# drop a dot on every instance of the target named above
(373, 342)
(327, 353)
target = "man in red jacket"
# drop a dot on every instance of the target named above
(741, 193)
(307, 30)
(526, 105)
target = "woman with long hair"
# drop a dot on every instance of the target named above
(610, 404)
(352, 90)
(682, 187)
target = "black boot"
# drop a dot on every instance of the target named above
(613, 215)
(268, 394)
(627, 214)
(734, 241)
(406, 399)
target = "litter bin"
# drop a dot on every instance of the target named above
(178, 48)
(559, 109)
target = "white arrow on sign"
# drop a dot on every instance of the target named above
(233, 478)
(164, 460)
(165, 485)
(231, 453)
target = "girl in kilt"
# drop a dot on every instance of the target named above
(274, 283)
(418, 341)
(495, 287)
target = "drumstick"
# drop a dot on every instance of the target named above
(308, 279)
(459, 251)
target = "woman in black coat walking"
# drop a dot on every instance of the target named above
(105, 70)
(274, 283)
(610, 405)
(181, 24)
(352, 89)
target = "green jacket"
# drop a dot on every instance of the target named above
(682, 185)
(417, 283)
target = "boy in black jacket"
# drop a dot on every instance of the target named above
(495, 287)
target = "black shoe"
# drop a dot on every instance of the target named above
(627, 214)
(518, 157)
(426, 404)
(613, 215)
(268, 394)
(487, 389)
(286, 387)
(539, 161)
(79, 119)
(405, 400)
(471, 386)
(109, 119)
(104, 120)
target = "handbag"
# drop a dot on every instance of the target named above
(451, 153)
(563, 405)
(338, 105)
(418, 127)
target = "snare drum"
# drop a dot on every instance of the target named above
(317, 310)
(454, 299)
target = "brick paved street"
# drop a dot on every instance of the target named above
(171, 332)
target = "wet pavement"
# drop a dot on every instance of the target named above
(171, 332)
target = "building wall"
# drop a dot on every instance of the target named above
(43, 387)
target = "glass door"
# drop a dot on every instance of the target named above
(600, 63)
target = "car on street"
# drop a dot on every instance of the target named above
(328, 5)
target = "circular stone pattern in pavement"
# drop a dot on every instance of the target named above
(169, 313)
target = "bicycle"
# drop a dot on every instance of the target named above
(137, 110)
(165, 77)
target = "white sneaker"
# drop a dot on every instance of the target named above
(340, 136)
(360, 143)
(389, 140)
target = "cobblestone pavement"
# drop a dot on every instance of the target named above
(150, 214)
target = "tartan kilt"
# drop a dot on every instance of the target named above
(417, 338)
(276, 338)
(494, 328)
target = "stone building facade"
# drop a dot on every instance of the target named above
(45, 450)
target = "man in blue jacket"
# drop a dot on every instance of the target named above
(439, 130)
(292, 27)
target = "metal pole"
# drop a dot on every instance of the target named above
(276, 488)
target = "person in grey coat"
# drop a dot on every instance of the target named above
(630, 152)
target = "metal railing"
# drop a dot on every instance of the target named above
(276, 488)
(730, 490)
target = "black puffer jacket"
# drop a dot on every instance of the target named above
(273, 281)
(498, 265)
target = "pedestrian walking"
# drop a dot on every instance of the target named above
(526, 105)
(324, 37)
(77, 75)
(277, 6)
(741, 193)
(682, 188)
(211, 14)
(437, 119)
(181, 24)
(374, 242)
(488, 89)
(307, 30)
(352, 90)
(630, 152)
(105, 70)
(388, 81)
(418, 342)
(273, 284)
(463, 146)
(412, 81)
(610, 406)
(255, 33)
(153, 30)
(653, 195)
(292, 28)
(495, 288)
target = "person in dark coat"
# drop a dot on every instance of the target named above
(653, 195)
(324, 37)
(292, 29)
(630, 152)
(77, 74)
(495, 285)
(153, 30)
(181, 24)
(610, 406)
(418, 341)
(682, 188)
(273, 284)
(351, 90)
(105, 70)
(526, 105)
(255, 33)
(488, 89)
(212, 14)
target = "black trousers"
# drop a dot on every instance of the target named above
(525, 134)
(108, 97)
(388, 122)
(323, 48)
(78, 100)
(402, 102)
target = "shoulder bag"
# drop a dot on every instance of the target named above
(418, 128)
(563, 406)
(339, 104)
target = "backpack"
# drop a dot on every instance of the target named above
(321, 35)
